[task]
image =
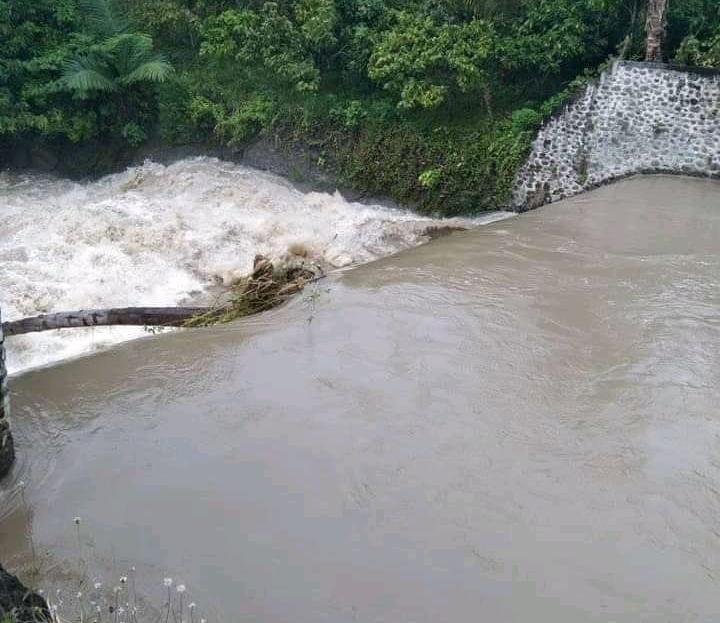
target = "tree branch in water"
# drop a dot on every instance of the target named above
(265, 288)
(129, 316)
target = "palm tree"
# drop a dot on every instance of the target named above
(120, 59)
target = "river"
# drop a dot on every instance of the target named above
(515, 423)
(157, 235)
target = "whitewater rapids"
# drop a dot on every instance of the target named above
(161, 235)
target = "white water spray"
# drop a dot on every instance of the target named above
(160, 235)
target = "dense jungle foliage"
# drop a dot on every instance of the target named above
(431, 102)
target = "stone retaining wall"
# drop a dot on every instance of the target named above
(636, 118)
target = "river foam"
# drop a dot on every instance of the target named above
(160, 235)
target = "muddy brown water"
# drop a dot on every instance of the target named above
(518, 423)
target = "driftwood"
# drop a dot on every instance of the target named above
(266, 287)
(129, 316)
(263, 289)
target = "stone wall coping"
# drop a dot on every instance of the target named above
(687, 69)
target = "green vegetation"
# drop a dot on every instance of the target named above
(432, 102)
(72, 70)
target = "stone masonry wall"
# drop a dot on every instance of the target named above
(637, 118)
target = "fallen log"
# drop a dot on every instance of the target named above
(263, 289)
(128, 316)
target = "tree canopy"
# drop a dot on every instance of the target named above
(337, 74)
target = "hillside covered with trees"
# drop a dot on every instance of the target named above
(430, 102)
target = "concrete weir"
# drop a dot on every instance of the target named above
(636, 118)
(7, 449)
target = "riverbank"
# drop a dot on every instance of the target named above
(18, 603)
(436, 166)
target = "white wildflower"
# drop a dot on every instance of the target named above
(180, 588)
(167, 582)
(191, 605)
(77, 520)
(97, 585)
(123, 580)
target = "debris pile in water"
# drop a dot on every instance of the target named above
(266, 287)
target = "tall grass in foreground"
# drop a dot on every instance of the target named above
(93, 600)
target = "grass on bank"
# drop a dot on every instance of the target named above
(88, 599)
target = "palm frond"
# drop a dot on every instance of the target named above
(155, 69)
(86, 74)
(128, 51)
(103, 17)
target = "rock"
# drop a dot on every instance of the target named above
(43, 159)
(7, 449)
(18, 601)
(297, 162)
